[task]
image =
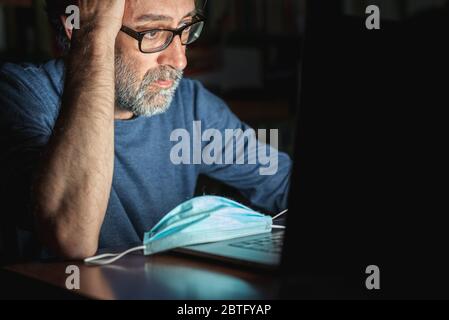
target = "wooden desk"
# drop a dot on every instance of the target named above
(162, 276)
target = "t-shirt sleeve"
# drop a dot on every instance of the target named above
(260, 172)
(25, 128)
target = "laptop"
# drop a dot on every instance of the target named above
(368, 157)
(261, 251)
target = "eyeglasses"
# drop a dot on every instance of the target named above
(156, 40)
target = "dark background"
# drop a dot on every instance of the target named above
(370, 187)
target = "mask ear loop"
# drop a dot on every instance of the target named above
(277, 217)
(100, 259)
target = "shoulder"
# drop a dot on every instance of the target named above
(28, 89)
(196, 92)
(204, 105)
(33, 76)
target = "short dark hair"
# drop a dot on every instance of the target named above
(55, 9)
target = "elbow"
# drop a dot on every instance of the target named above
(62, 230)
(65, 242)
(71, 247)
(75, 251)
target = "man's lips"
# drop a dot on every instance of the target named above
(164, 84)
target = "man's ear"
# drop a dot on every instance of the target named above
(68, 29)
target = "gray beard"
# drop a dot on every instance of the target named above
(137, 96)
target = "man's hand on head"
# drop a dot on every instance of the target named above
(103, 17)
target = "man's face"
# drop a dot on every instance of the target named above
(146, 83)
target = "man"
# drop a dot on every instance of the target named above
(90, 134)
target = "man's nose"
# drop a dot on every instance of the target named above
(174, 55)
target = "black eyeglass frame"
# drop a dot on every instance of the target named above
(139, 36)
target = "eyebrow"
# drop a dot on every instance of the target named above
(159, 17)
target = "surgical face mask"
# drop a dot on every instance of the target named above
(200, 220)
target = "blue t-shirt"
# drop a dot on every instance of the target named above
(146, 184)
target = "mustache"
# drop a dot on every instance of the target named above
(162, 73)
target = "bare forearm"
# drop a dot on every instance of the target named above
(75, 176)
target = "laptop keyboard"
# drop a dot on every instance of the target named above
(271, 243)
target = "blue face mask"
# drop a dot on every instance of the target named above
(200, 220)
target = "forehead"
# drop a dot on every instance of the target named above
(174, 9)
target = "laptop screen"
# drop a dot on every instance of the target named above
(365, 188)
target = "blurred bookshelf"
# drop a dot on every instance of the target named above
(25, 33)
